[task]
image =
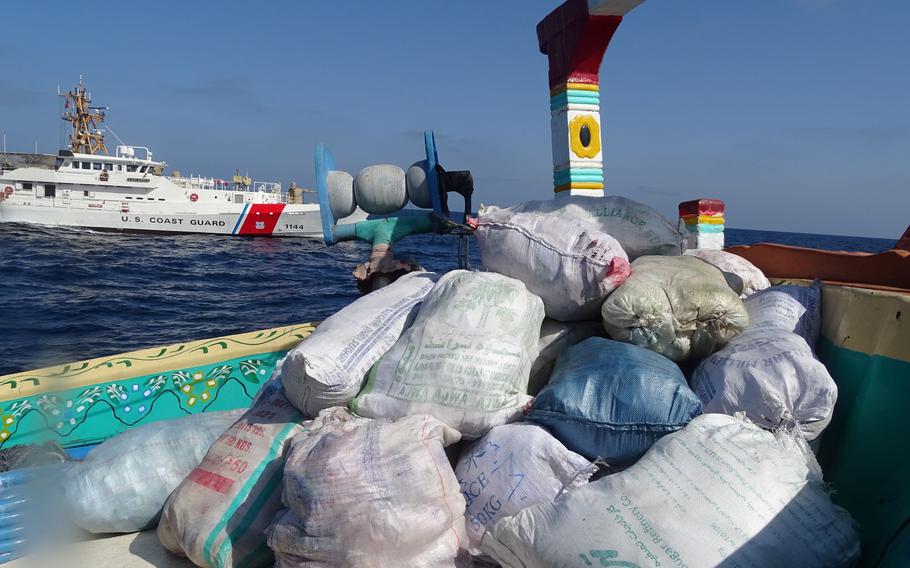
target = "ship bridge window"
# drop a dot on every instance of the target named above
(143, 169)
(50, 190)
(96, 165)
(119, 167)
(26, 186)
(75, 165)
(108, 167)
(86, 165)
(131, 167)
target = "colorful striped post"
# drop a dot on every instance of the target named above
(574, 38)
(703, 220)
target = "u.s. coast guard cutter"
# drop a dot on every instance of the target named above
(83, 186)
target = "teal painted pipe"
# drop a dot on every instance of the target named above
(385, 231)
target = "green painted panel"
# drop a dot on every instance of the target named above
(865, 452)
(89, 415)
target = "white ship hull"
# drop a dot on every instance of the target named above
(125, 194)
(251, 219)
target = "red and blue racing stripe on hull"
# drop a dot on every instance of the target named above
(258, 219)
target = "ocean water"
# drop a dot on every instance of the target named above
(71, 294)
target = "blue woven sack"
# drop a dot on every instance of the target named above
(612, 400)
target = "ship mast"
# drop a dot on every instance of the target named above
(86, 137)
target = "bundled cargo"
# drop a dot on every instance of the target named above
(122, 484)
(680, 307)
(788, 307)
(515, 466)
(720, 492)
(640, 229)
(556, 337)
(612, 400)
(218, 516)
(379, 494)
(569, 265)
(327, 369)
(752, 278)
(773, 376)
(465, 360)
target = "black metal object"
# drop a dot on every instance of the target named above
(461, 182)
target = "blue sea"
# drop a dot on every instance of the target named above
(71, 294)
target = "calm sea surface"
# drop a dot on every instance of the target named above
(68, 294)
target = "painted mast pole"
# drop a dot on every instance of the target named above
(574, 38)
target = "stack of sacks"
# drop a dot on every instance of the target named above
(329, 367)
(788, 307)
(556, 337)
(639, 229)
(704, 223)
(612, 401)
(752, 278)
(771, 375)
(570, 266)
(465, 360)
(123, 483)
(680, 307)
(720, 492)
(376, 494)
(515, 466)
(218, 516)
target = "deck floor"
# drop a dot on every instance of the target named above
(133, 550)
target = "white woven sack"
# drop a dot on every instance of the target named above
(753, 278)
(639, 228)
(122, 484)
(378, 494)
(515, 466)
(465, 360)
(788, 307)
(571, 266)
(772, 376)
(218, 515)
(327, 368)
(720, 492)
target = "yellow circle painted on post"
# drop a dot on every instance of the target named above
(584, 136)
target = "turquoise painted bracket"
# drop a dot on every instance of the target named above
(386, 231)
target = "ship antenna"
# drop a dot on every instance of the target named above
(111, 130)
(86, 138)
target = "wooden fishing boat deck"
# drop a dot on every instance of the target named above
(135, 550)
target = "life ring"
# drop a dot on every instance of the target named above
(194, 197)
(8, 190)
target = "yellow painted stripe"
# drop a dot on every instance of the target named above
(579, 185)
(583, 86)
(578, 86)
(710, 220)
(150, 361)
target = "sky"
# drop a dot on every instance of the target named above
(794, 112)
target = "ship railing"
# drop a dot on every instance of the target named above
(203, 183)
(267, 186)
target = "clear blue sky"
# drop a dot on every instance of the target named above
(795, 112)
